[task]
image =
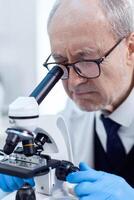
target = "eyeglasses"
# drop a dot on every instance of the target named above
(85, 68)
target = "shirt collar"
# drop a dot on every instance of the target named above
(124, 114)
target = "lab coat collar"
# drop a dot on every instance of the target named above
(124, 114)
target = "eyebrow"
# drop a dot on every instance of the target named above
(86, 50)
(89, 52)
(80, 53)
(58, 57)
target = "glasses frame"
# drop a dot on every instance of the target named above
(96, 61)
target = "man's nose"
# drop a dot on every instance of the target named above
(75, 79)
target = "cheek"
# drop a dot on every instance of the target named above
(115, 80)
(107, 85)
(66, 88)
(115, 69)
(113, 76)
(89, 102)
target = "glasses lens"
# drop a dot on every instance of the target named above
(66, 72)
(87, 69)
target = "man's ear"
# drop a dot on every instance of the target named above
(130, 50)
(130, 44)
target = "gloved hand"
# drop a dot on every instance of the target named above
(12, 183)
(98, 185)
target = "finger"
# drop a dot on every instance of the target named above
(30, 181)
(84, 188)
(3, 185)
(86, 198)
(96, 196)
(90, 198)
(83, 166)
(11, 185)
(88, 188)
(19, 182)
(80, 176)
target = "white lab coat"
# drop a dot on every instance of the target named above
(80, 128)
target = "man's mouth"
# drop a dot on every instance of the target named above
(81, 93)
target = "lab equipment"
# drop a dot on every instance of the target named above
(27, 193)
(28, 160)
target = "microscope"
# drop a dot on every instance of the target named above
(24, 153)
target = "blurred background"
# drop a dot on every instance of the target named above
(24, 46)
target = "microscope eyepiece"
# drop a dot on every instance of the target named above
(47, 83)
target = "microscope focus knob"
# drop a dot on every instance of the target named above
(25, 193)
(64, 169)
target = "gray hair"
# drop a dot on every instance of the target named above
(119, 13)
(53, 11)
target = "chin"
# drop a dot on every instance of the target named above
(89, 103)
(89, 108)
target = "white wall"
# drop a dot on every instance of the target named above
(56, 99)
(24, 45)
(17, 48)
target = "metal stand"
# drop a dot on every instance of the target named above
(26, 192)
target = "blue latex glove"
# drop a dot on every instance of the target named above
(12, 183)
(98, 185)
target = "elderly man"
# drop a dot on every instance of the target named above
(93, 41)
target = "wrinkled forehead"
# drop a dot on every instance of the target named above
(72, 11)
(76, 23)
